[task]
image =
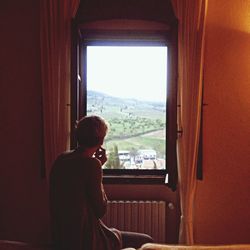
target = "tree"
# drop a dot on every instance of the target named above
(113, 161)
(116, 157)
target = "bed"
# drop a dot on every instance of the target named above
(152, 246)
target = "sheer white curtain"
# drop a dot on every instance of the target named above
(55, 37)
(191, 16)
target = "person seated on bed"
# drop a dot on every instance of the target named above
(77, 196)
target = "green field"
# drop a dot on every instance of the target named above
(139, 142)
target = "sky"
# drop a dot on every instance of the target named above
(128, 72)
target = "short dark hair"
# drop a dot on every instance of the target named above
(91, 130)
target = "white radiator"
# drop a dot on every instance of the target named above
(138, 216)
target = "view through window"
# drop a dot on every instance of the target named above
(127, 86)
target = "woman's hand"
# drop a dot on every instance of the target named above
(100, 154)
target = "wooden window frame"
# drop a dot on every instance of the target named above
(84, 37)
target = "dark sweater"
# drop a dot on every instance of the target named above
(78, 202)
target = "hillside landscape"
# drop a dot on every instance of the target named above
(133, 124)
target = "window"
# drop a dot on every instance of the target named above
(129, 78)
(126, 85)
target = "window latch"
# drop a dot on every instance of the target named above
(179, 132)
(79, 77)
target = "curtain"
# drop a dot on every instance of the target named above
(55, 37)
(191, 16)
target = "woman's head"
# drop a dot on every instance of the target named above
(90, 131)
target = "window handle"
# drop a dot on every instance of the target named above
(179, 132)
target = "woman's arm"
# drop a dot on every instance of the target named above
(96, 193)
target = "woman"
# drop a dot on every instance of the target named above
(77, 197)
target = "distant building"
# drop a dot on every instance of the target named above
(124, 155)
(146, 154)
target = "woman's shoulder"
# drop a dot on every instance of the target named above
(90, 162)
(73, 158)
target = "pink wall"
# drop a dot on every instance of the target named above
(23, 206)
(222, 212)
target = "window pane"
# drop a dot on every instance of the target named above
(127, 86)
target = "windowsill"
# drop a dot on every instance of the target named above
(134, 179)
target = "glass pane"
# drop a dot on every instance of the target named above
(127, 86)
